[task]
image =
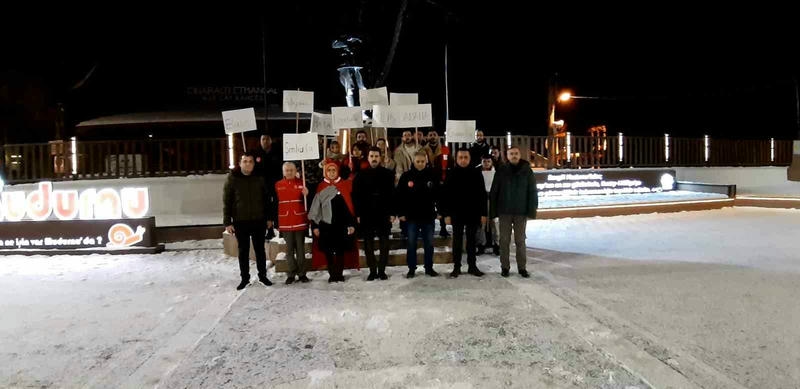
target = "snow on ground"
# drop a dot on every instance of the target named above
(174, 318)
(757, 237)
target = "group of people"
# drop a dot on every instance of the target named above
(362, 194)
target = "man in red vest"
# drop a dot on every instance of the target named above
(293, 221)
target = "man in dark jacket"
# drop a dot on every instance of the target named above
(372, 199)
(416, 193)
(244, 211)
(269, 165)
(464, 207)
(478, 149)
(514, 200)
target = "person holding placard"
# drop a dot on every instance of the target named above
(245, 212)
(404, 154)
(293, 221)
(478, 149)
(386, 155)
(417, 193)
(357, 161)
(438, 155)
(269, 160)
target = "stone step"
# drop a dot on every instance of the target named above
(275, 246)
(396, 258)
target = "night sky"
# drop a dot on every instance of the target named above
(723, 72)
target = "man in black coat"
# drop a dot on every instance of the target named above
(465, 196)
(417, 193)
(373, 203)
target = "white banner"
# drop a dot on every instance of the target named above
(402, 116)
(322, 124)
(239, 120)
(347, 117)
(298, 101)
(460, 131)
(300, 146)
(369, 97)
(403, 99)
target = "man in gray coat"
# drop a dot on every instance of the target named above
(514, 200)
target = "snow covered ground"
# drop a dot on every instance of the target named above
(175, 320)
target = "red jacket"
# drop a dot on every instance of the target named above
(292, 215)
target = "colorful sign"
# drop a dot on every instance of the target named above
(45, 203)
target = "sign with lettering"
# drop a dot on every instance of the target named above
(460, 131)
(603, 182)
(347, 117)
(322, 124)
(77, 234)
(369, 97)
(239, 120)
(300, 146)
(91, 204)
(298, 101)
(402, 116)
(403, 98)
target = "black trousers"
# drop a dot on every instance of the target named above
(245, 231)
(335, 264)
(369, 233)
(458, 243)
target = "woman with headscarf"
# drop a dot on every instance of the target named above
(333, 225)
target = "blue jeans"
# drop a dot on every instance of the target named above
(413, 230)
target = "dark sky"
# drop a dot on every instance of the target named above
(726, 72)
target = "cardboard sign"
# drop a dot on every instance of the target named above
(322, 124)
(239, 120)
(300, 146)
(298, 101)
(460, 131)
(347, 117)
(369, 97)
(402, 116)
(403, 99)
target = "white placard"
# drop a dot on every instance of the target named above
(322, 124)
(460, 131)
(298, 101)
(403, 99)
(347, 117)
(239, 120)
(796, 147)
(300, 146)
(369, 97)
(402, 116)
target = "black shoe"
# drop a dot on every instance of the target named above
(504, 272)
(496, 250)
(372, 276)
(341, 279)
(304, 279)
(270, 234)
(444, 234)
(456, 272)
(475, 272)
(243, 284)
(331, 279)
(410, 273)
(289, 280)
(431, 273)
(480, 250)
(264, 280)
(524, 274)
(383, 276)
